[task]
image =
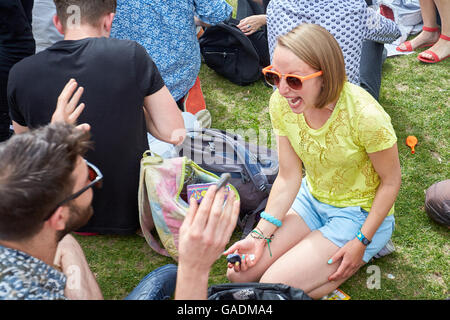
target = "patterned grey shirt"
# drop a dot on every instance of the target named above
(23, 277)
(349, 21)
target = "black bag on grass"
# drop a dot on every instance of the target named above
(255, 291)
(229, 52)
(253, 168)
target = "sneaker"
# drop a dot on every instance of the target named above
(387, 249)
(194, 101)
(204, 118)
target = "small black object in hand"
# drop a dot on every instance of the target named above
(233, 258)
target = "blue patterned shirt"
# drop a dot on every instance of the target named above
(349, 21)
(23, 277)
(168, 32)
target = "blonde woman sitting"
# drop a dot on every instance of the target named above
(318, 230)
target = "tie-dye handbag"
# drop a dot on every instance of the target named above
(162, 198)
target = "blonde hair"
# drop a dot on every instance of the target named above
(317, 47)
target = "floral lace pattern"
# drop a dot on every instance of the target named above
(335, 157)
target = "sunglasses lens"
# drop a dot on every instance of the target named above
(272, 78)
(294, 83)
(93, 175)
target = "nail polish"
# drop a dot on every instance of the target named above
(330, 261)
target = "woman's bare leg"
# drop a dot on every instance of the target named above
(305, 266)
(442, 47)
(287, 236)
(428, 10)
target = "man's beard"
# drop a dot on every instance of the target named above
(77, 219)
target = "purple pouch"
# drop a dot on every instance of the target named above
(198, 191)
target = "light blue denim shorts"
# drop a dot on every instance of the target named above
(340, 225)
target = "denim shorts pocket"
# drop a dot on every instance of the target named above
(362, 215)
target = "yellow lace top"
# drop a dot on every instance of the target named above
(338, 169)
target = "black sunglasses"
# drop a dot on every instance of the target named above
(95, 177)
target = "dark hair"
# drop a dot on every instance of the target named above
(35, 175)
(90, 11)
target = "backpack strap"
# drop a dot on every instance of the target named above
(246, 157)
(254, 170)
(250, 162)
(249, 220)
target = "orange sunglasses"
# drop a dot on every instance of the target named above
(294, 81)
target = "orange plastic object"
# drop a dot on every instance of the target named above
(411, 142)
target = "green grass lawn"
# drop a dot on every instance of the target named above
(416, 96)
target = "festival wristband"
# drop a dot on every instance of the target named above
(362, 238)
(271, 219)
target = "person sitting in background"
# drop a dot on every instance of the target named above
(437, 202)
(44, 31)
(351, 22)
(167, 30)
(16, 43)
(431, 36)
(120, 79)
(46, 191)
(252, 17)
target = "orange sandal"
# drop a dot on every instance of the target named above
(435, 56)
(409, 47)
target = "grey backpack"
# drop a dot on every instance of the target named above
(253, 168)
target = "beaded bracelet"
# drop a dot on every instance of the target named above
(270, 218)
(261, 236)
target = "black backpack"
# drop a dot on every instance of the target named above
(253, 168)
(229, 52)
(255, 291)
